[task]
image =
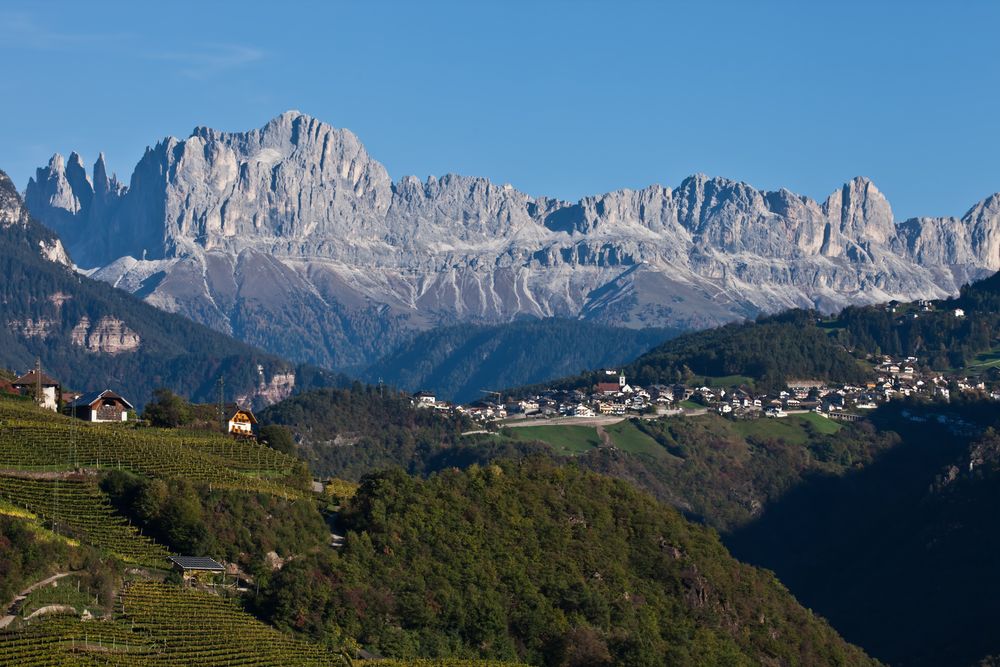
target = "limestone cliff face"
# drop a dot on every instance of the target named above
(293, 238)
(107, 336)
(269, 392)
(12, 212)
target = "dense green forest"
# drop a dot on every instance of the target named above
(771, 351)
(237, 526)
(543, 563)
(349, 432)
(173, 351)
(852, 517)
(458, 362)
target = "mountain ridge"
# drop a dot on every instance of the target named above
(360, 257)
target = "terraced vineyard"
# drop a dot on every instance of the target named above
(32, 440)
(240, 454)
(192, 627)
(68, 641)
(76, 508)
(162, 625)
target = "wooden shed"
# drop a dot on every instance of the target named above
(192, 566)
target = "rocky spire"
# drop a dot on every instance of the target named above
(102, 185)
(79, 182)
(860, 212)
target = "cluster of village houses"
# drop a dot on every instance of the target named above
(106, 406)
(615, 396)
(923, 306)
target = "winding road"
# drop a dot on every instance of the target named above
(11, 607)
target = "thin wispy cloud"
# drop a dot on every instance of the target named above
(20, 30)
(24, 31)
(210, 61)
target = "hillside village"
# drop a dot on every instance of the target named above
(614, 396)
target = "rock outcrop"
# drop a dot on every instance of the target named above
(293, 238)
(32, 328)
(107, 336)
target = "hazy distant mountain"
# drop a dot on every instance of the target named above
(293, 238)
(458, 362)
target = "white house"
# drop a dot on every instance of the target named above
(241, 421)
(51, 391)
(425, 399)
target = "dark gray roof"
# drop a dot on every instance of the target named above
(198, 563)
(30, 378)
(94, 396)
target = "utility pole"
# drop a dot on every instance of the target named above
(38, 380)
(222, 408)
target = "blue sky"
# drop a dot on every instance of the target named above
(561, 98)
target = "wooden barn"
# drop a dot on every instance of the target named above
(101, 406)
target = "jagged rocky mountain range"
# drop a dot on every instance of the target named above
(293, 238)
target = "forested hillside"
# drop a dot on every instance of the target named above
(91, 336)
(899, 554)
(851, 516)
(946, 334)
(766, 352)
(547, 564)
(458, 362)
(950, 334)
(349, 432)
(716, 470)
(726, 472)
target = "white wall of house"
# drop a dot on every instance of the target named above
(240, 427)
(50, 400)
